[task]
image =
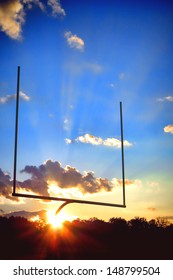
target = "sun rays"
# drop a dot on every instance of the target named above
(57, 221)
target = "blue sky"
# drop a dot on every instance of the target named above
(78, 60)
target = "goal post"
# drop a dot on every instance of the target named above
(65, 200)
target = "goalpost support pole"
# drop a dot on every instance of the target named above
(122, 154)
(16, 129)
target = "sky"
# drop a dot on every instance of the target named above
(78, 60)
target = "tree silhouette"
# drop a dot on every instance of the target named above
(86, 239)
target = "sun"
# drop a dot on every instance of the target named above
(56, 221)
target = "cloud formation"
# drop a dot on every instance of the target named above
(36, 185)
(68, 177)
(8, 98)
(74, 41)
(97, 141)
(56, 7)
(168, 129)
(30, 3)
(6, 186)
(51, 172)
(12, 17)
(166, 99)
(13, 14)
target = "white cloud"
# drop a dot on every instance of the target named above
(133, 183)
(68, 141)
(12, 16)
(89, 139)
(24, 96)
(74, 41)
(8, 98)
(168, 129)
(56, 7)
(165, 99)
(93, 140)
(112, 142)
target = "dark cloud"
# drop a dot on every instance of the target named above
(65, 178)
(6, 186)
(52, 172)
(35, 185)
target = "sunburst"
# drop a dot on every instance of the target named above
(56, 221)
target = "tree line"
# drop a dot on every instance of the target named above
(86, 239)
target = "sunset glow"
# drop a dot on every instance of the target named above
(56, 221)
